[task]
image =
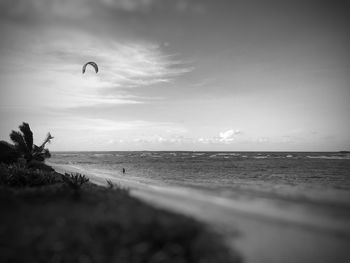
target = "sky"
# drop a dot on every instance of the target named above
(177, 74)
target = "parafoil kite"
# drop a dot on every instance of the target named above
(92, 64)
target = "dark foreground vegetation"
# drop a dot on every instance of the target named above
(56, 218)
(50, 217)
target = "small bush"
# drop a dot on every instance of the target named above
(74, 180)
(19, 176)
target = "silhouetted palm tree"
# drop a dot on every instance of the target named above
(23, 141)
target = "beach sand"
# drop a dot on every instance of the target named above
(267, 232)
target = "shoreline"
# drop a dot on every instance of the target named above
(267, 234)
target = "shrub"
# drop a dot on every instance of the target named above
(8, 153)
(74, 180)
(19, 176)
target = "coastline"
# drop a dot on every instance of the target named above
(266, 235)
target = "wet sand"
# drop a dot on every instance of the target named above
(267, 232)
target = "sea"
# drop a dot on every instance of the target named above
(319, 178)
(284, 206)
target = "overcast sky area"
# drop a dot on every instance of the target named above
(177, 74)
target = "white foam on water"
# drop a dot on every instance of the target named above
(334, 157)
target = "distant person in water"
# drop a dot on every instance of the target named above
(124, 170)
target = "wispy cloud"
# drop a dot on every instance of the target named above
(98, 125)
(71, 8)
(227, 136)
(73, 132)
(48, 55)
(55, 57)
(76, 9)
(129, 5)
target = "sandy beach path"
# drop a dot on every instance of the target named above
(266, 233)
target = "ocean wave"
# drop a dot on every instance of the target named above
(145, 154)
(197, 154)
(261, 156)
(332, 157)
(102, 154)
(65, 154)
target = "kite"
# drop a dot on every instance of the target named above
(93, 64)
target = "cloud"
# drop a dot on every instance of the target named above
(75, 124)
(35, 10)
(161, 138)
(205, 140)
(69, 8)
(48, 62)
(77, 132)
(129, 5)
(45, 9)
(145, 134)
(224, 137)
(179, 139)
(127, 64)
(228, 136)
(188, 6)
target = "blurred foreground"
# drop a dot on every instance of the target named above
(66, 219)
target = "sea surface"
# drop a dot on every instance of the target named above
(308, 177)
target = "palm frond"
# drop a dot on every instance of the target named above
(47, 153)
(19, 142)
(27, 135)
(48, 139)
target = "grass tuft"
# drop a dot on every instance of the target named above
(74, 180)
(110, 184)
